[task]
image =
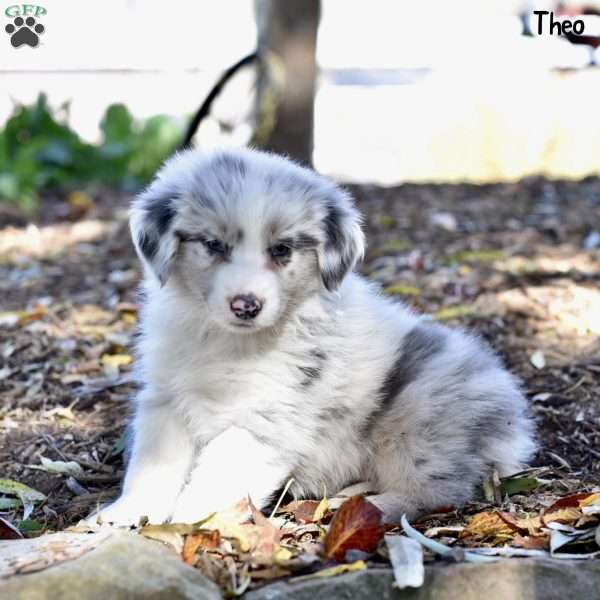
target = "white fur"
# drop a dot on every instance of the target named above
(228, 410)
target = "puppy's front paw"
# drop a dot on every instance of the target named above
(188, 511)
(127, 513)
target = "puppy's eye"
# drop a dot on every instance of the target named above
(280, 251)
(215, 246)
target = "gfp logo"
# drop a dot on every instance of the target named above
(24, 29)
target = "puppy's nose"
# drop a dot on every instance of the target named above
(245, 306)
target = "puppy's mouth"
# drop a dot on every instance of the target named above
(241, 327)
(243, 324)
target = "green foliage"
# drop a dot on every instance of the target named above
(38, 152)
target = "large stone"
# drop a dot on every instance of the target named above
(125, 566)
(510, 579)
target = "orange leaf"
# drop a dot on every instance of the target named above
(573, 500)
(567, 515)
(593, 498)
(531, 543)
(266, 535)
(356, 526)
(207, 540)
(487, 524)
(529, 525)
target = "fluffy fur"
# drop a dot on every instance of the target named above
(331, 383)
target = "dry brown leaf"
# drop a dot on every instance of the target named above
(528, 525)
(531, 542)
(205, 540)
(566, 510)
(305, 511)
(590, 499)
(355, 526)
(486, 525)
(567, 515)
(308, 511)
(22, 317)
(266, 535)
(8, 531)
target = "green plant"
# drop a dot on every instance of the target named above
(38, 152)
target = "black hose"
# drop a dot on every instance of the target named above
(205, 107)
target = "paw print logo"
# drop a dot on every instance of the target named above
(24, 32)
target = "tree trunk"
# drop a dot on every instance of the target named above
(287, 37)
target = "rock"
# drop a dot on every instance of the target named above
(125, 566)
(521, 579)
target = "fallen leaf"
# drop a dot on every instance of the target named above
(591, 504)
(28, 496)
(538, 360)
(455, 312)
(518, 485)
(527, 525)
(359, 565)
(58, 466)
(30, 526)
(402, 290)
(406, 556)
(167, 533)
(80, 200)
(281, 556)
(355, 526)
(9, 503)
(205, 540)
(22, 317)
(266, 535)
(565, 510)
(531, 542)
(566, 515)
(387, 221)
(308, 511)
(113, 363)
(442, 549)
(8, 531)
(488, 526)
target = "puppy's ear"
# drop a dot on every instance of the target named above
(344, 240)
(151, 223)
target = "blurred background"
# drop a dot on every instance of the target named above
(470, 142)
(402, 91)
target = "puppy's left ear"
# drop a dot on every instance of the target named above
(151, 223)
(344, 242)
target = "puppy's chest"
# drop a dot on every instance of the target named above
(229, 387)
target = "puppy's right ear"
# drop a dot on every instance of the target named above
(151, 223)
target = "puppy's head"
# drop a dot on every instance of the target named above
(249, 235)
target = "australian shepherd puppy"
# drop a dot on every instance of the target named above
(264, 357)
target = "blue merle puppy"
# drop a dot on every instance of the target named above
(263, 357)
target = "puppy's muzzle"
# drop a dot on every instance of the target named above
(246, 306)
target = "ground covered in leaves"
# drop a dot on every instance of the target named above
(519, 263)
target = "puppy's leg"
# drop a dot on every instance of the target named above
(161, 457)
(231, 467)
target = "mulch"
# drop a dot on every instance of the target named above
(518, 263)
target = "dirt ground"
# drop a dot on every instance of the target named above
(518, 263)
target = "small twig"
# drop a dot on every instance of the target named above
(100, 478)
(285, 491)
